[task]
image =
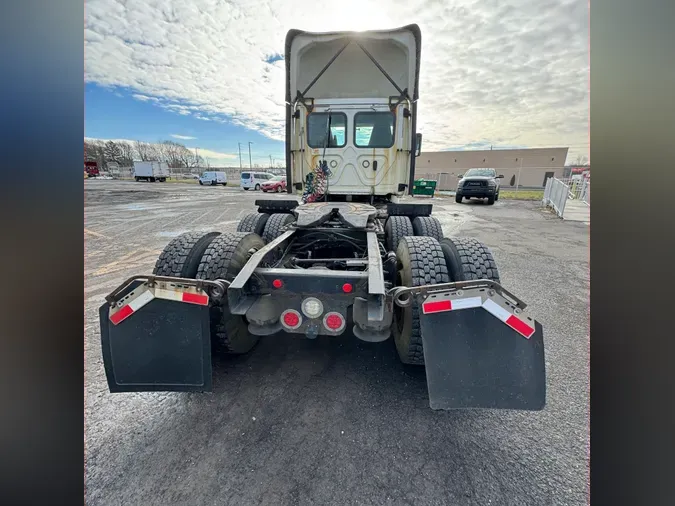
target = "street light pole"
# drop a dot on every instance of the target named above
(250, 164)
(240, 167)
(270, 161)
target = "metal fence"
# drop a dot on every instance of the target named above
(555, 195)
(559, 191)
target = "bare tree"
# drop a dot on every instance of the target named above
(93, 151)
(145, 151)
(171, 153)
(581, 160)
(126, 158)
(188, 158)
(112, 152)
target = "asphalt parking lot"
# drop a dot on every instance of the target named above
(334, 420)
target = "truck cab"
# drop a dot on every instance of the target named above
(351, 110)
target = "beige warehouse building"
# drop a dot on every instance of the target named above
(533, 165)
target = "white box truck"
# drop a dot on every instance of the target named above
(151, 171)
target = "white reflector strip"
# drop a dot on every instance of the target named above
(141, 300)
(127, 310)
(163, 293)
(496, 310)
(467, 303)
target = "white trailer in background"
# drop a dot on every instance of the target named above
(151, 171)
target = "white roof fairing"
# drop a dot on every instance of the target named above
(353, 74)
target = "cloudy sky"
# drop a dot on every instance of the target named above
(208, 73)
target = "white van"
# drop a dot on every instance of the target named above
(254, 179)
(213, 178)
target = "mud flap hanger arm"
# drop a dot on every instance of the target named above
(216, 289)
(300, 97)
(402, 295)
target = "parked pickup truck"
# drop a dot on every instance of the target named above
(479, 183)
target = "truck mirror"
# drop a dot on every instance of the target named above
(460, 176)
(500, 176)
(418, 145)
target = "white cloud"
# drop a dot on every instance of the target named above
(510, 72)
(214, 156)
(184, 137)
(144, 98)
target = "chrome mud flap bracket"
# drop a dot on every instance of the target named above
(480, 351)
(155, 335)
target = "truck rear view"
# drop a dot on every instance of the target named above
(353, 260)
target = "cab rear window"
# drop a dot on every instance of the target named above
(374, 129)
(317, 130)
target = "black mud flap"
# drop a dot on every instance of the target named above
(475, 360)
(164, 346)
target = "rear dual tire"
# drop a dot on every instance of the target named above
(253, 222)
(226, 255)
(426, 261)
(276, 225)
(469, 259)
(182, 256)
(420, 261)
(211, 256)
(427, 226)
(395, 229)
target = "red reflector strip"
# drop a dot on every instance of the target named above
(520, 326)
(127, 310)
(511, 320)
(195, 298)
(436, 306)
(122, 314)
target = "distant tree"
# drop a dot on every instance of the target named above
(581, 160)
(112, 152)
(126, 158)
(93, 151)
(187, 158)
(146, 152)
(513, 180)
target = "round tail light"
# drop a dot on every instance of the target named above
(291, 319)
(334, 322)
(312, 307)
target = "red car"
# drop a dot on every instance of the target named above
(276, 184)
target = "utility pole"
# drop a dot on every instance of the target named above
(270, 161)
(240, 167)
(250, 165)
(519, 169)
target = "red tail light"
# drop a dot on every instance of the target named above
(334, 322)
(291, 319)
